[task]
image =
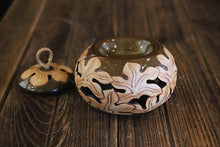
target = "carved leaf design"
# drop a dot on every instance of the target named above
(88, 73)
(169, 76)
(112, 98)
(135, 84)
(137, 93)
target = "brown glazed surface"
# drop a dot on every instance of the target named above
(125, 75)
(115, 52)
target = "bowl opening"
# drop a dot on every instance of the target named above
(124, 48)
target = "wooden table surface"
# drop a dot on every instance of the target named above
(189, 29)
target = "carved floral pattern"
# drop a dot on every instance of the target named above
(88, 73)
(169, 76)
(125, 95)
(40, 78)
(135, 85)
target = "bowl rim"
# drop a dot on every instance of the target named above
(156, 47)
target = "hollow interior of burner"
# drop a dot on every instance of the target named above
(124, 48)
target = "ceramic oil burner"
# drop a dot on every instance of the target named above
(46, 77)
(126, 75)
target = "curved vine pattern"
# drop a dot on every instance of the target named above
(139, 92)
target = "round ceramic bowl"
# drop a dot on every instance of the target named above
(126, 75)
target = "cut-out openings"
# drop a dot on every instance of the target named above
(77, 70)
(157, 81)
(158, 98)
(141, 101)
(49, 77)
(62, 70)
(33, 74)
(43, 69)
(89, 93)
(108, 86)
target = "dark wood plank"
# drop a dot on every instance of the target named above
(147, 129)
(194, 114)
(207, 37)
(193, 108)
(129, 19)
(190, 30)
(16, 29)
(204, 21)
(202, 30)
(204, 43)
(77, 123)
(26, 118)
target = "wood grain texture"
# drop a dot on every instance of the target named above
(138, 130)
(205, 28)
(16, 29)
(84, 125)
(31, 116)
(194, 93)
(189, 29)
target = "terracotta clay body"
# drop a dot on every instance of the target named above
(125, 75)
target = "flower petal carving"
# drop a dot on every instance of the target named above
(169, 76)
(130, 93)
(136, 84)
(32, 70)
(88, 73)
(60, 76)
(112, 98)
(39, 77)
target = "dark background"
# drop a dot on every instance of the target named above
(4, 5)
